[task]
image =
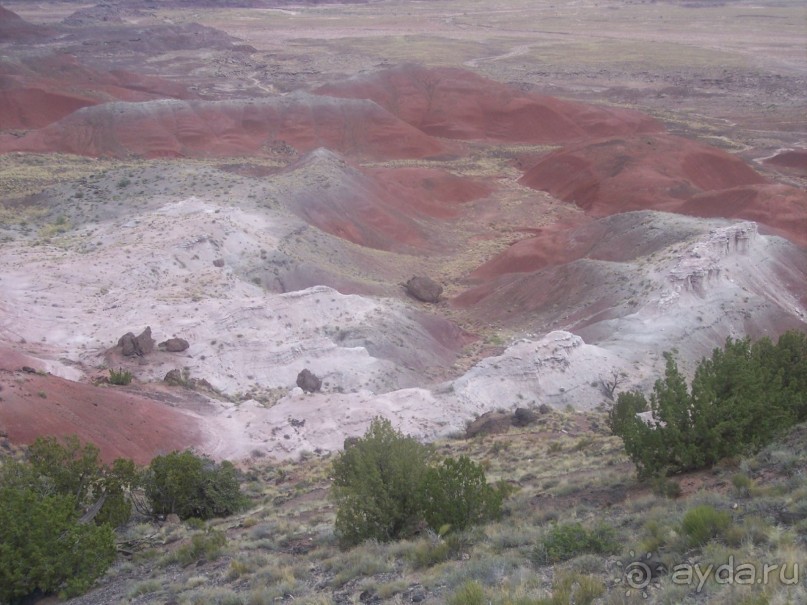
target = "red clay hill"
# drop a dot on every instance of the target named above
(37, 91)
(669, 173)
(172, 128)
(121, 424)
(383, 208)
(458, 104)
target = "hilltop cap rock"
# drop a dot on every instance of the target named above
(424, 289)
(308, 381)
(139, 345)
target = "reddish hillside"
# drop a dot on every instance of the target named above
(665, 172)
(385, 209)
(618, 238)
(780, 207)
(458, 104)
(121, 424)
(41, 90)
(652, 171)
(229, 128)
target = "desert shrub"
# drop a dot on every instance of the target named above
(120, 377)
(428, 553)
(385, 485)
(192, 486)
(742, 484)
(375, 485)
(73, 469)
(703, 523)
(456, 494)
(568, 540)
(203, 546)
(624, 411)
(44, 548)
(574, 588)
(741, 398)
(664, 487)
(470, 593)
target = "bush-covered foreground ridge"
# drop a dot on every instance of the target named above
(739, 400)
(390, 520)
(60, 505)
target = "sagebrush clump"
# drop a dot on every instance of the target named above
(386, 485)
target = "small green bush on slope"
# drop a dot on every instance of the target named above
(192, 486)
(385, 485)
(45, 544)
(740, 399)
(44, 547)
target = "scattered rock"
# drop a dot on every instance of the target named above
(523, 417)
(219, 262)
(308, 381)
(489, 424)
(174, 378)
(424, 289)
(132, 345)
(174, 345)
(417, 594)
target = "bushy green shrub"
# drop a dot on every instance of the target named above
(120, 377)
(740, 399)
(375, 485)
(456, 494)
(386, 485)
(43, 547)
(57, 511)
(73, 469)
(568, 540)
(203, 546)
(470, 593)
(192, 486)
(703, 523)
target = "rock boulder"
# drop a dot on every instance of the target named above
(308, 381)
(424, 289)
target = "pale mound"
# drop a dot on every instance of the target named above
(458, 104)
(121, 424)
(558, 369)
(229, 128)
(387, 209)
(647, 282)
(657, 172)
(42, 90)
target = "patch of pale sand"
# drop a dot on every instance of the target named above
(77, 298)
(559, 370)
(320, 422)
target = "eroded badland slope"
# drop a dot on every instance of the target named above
(183, 180)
